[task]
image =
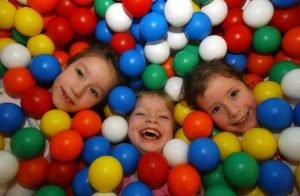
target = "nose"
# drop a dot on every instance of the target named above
(232, 110)
(151, 119)
(78, 90)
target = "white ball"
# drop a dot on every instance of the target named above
(104, 194)
(258, 13)
(290, 84)
(9, 166)
(114, 128)
(117, 19)
(18, 189)
(212, 47)
(173, 87)
(178, 12)
(157, 52)
(23, 2)
(175, 151)
(176, 38)
(289, 143)
(15, 55)
(216, 10)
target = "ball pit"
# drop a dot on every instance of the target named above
(159, 42)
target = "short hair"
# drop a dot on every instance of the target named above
(195, 83)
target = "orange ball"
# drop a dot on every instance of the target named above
(291, 42)
(168, 67)
(197, 124)
(62, 57)
(77, 47)
(87, 123)
(42, 6)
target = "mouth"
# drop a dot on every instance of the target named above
(67, 98)
(242, 120)
(150, 134)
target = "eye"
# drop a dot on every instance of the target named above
(79, 73)
(234, 93)
(139, 114)
(164, 117)
(94, 92)
(215, 109)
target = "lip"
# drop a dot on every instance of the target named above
(150, 133)
(243, 119)
(66, 97)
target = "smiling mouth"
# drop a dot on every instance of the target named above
(67, 97)
(242, 120)
(150, 134)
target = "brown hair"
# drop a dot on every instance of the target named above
(195, 83)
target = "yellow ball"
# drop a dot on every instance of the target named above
(180, 135)
(54, 121)
(40, 44)
(7, 14)
(105, 174)
(107, 111)
(2, 142)
(227, 143)
(196, 7)
(253, 191)
(181, 110)
(259, 143)
(28, 21)
(5, 41)
(297, 176)
(267, 89)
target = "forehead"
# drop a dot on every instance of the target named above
(151, 101)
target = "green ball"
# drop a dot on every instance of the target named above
(266, 40)
(50, 190)
(279, 69)
(218, 189)
(101, 6)
(240, 169)
(154, 77)
(214, 132)
(2, 70)
(214, 177)
(203, 1)
(184, 62)
(20, 38)
(27, 143)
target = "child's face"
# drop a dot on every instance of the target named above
(83, 84)
(150, 124)
(230, 104)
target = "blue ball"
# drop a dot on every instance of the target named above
(102, 32)
(128, 155)
(140, 48)
(132, 63)
(81, 184)
(44, 68)
(12, 118)
(121, 99)
(204, 154)
(199, 27)
(275, 178)
(284, 3)
(137, 189)
(153, 27)
(275, 114)
(135, 83)
(237, 61)
(94, 148)
(158, 6)
(296, 114)
(135, 31)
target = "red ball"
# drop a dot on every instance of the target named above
(197, 124)
(234, 17)
(18, 80)
(238, 38)
(78, 47)
(83, 2)
(36, 101)
(285, 19)
(65, 8)
(42, 6)
(32, 173)
(291, 42)
(83, 21)
(87, 123)
(235, 3)
(260, 64)
(122, 41)
(137, 8)
(184, 179)
(153, 169)
(280, 56)
(59, 30)
(252, 80)
(62, 57)
(66, 145)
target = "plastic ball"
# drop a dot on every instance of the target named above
(59, 30)
(175, 18)
(101, 7)
(173, 87)
(260, 64)
(95, 147)
(135, 31)
(157, 52)
(297, 176)
(18, 37)
(154, 77)
(17, 189)
(77, 47)
(83, 21)
(296, 114)
(214, 177)
(137, 188)
(80, 183)
(179, 134)
(175, 151)
(15, 55)
(158, 6)
(54, 121)
(17, 81)
(281, 68)
(62, 57)
(105, 173)
(199, 27)
(122, 22)
(284, 4)
(204, 154)
(122, 41)
(219, 189)
(273, 172)
(234, 17)
(9, 166)
(185, 61)
(4, 41)
(289, 144)
(50, 190)
(137, 8)
(153, 169)
(176, 38)
(237, 61)
(258, 13)
(12, 118)
(212, 47)
(290, 84)
(40, 44)
(227, 143)
(275, 114)
(245, 167)
(115, 128)
(7, 13)
(266, 90)
(181, 110)
(128, 155)
(102, 32)
(27, 143)
(132, 63)
(197, 124)
(187, 177)
(2, 142)
(168, 67)
(216, 10)
(121, 99)
(65, 8)
(42, 6)
(28, 21)
(83, 2)
(238, 38)
(260, 143)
